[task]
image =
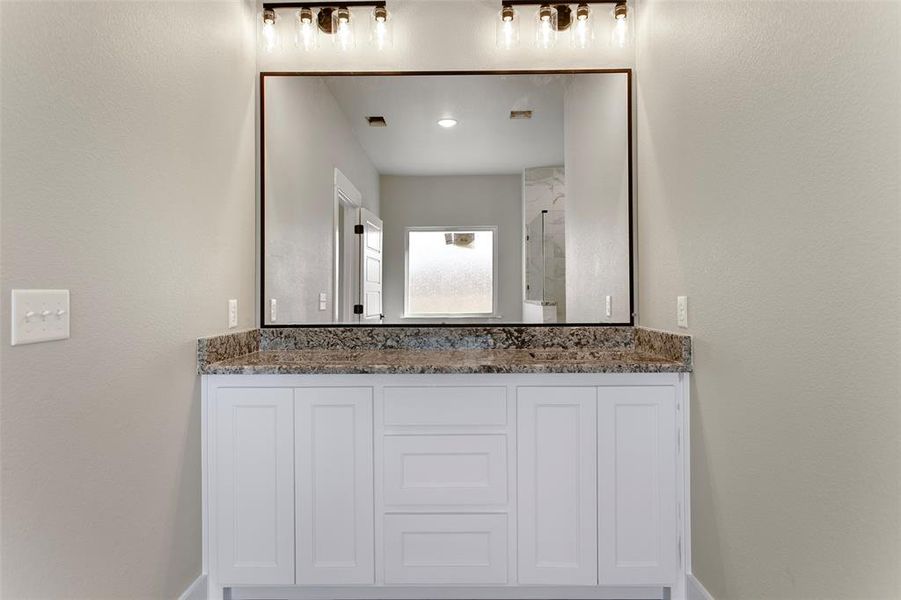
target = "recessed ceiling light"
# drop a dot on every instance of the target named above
(447, 123)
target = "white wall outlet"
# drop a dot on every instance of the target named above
(273, 310)
(682, 311)
(608, 310)
(232, 313)
(39, 316)
(323, 301)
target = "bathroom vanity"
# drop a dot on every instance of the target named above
(509, 462)
(347, 459)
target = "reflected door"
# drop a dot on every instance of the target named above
(371, 267)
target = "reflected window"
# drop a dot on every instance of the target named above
(451, 271)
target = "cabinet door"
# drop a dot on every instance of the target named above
(254, 493)
(557, 484)
(334, 486)
(637, 479)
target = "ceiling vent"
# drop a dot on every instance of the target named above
(376, 121)
(520, 114)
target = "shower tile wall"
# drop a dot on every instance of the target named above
(544, 189)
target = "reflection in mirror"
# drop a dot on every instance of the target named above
(422, 199)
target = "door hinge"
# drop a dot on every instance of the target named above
(358, 309)
(358, 229)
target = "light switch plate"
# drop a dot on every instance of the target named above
(39, 316)
(232, 313)
(682, 311)
(323, 301)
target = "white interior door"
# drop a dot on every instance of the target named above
(370, 266)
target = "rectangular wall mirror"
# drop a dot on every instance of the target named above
(446, 198)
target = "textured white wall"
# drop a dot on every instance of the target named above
(307, 137)
(463, 200)
(127, 177)
(597, 198)
(768, 192)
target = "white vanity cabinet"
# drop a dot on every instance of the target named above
(443, 486)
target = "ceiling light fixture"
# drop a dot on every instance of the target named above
(447, 122)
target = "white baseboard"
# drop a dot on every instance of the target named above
(694, 590)
(195, 591)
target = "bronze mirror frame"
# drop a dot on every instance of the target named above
(262, 189)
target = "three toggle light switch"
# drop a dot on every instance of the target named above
(39, 316)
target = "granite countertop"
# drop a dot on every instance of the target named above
(437, 350)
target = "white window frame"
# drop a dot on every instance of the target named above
(494, 273)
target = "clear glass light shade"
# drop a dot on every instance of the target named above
(307, 31)
(582, 28)
(546, 27)
(380, 28)
(268, 31)
(343, 28)
(620, 36)
(507, 28)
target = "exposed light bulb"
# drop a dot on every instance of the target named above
(546, 30)
(507, 28)
(343, 27)
(620, 27)
(268, 31)
(307, 31)
(380, 28)
(582, 28)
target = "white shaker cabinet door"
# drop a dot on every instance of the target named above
(557, 485)
(254, 491)
(637, 485)
(334, 486)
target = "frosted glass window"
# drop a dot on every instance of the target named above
(450, 271)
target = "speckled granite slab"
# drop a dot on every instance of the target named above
(446, 350)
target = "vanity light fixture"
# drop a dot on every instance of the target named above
(553, 18)
(380, 28)
(343, 27)
(508, 28)
(447, 122)
(583, 32)
(307, 30)
(268, 32)
(546, 26)
(335, 19)
(620, 27)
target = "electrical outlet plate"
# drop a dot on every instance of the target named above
(273, 310)
(39, 316)
(682, 311)
(232, 313)
(609, 306)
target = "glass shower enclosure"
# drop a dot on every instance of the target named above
(546, 261)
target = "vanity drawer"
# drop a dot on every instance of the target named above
(445, 549)
(445, 406)
(443, 470)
